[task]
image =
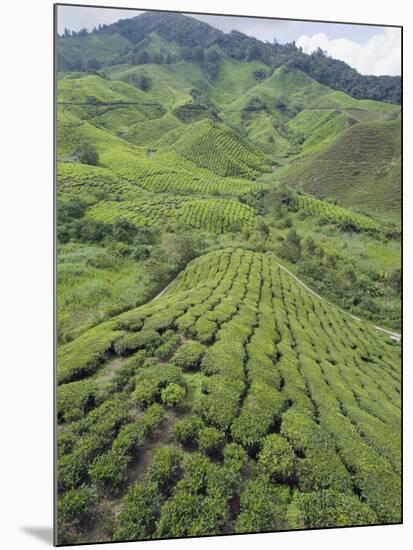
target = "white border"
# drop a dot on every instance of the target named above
(26, 272)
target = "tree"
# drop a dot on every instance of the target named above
(212, 55)
(93, 64)
(143, 83)
(86, 154)
(186, 53)
(291, 246)
(142, 58)
(124, 231)
(253, 52)
(310, 246)
(198, 53)
(178, 249)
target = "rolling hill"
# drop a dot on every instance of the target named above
(360, 168)
(229, 282)
(262, 364)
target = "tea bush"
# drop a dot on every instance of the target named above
(189, 355)
(172, 394)
(276, 459)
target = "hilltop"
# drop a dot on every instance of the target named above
(190, 38)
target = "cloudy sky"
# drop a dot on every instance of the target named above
(369, 49)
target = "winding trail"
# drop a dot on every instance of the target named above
(393, 335)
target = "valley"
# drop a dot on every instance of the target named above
(229, 286)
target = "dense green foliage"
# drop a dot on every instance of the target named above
(209, 186)
(329, 433)
(194, 39)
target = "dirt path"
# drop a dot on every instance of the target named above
(393, 335)
(165, 289)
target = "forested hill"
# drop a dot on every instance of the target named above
(189, 39)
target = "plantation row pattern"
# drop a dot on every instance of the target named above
(215, 215)
(219, 149)
(168, 171)
(335, 214)
(256, 372)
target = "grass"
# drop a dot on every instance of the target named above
(94, 283)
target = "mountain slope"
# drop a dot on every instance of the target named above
(274, 366)
(218, 148)
(82, 51)
(360, 168)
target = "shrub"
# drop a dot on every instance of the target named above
(263, 507)
(165, 468)
(83, 356)
(187, 429)
(123, 377)
(108, 471)
(173, 394)
(330, 509)
(322, 469)
(76, 505)
(152, 380)
(75, 399)
(105, 420)
(235, 456)
(189, 356)
(171, 342)
(261, 407)
(132, 436)
(276, 458)
(140, 509)
(198, 505)
(148, 339)
(87, 154)
(72, 468)
(219, 403)
(210, 440)
(141, 505)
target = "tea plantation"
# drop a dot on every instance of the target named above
(229, 286)
(259, 392)
(215, 215)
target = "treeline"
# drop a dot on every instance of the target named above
(196, 39)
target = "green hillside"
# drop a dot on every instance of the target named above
(216, 147)
(212, 214)
(262, 367)
(360, 168)
(229, 286)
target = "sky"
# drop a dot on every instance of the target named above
(369, 49)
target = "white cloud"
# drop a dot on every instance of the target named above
(380, 55)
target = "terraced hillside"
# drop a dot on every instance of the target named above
(229, 284)
(212, 214)
(360, 168)
(277, 400)
(336, 214)
(217, 148)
